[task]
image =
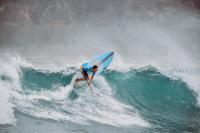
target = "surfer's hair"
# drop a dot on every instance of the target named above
(95, 66)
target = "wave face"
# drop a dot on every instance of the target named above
(163, 101)
(141, 97)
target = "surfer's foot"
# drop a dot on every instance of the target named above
(76, 80)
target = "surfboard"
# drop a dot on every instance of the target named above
(102, 61)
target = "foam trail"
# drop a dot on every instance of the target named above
(105, 109)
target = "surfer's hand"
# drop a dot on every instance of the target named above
(81, 69)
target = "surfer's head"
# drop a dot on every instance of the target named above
(95, 68)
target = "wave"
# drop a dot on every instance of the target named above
(45, 100)
(141, 97)
(160, 99)
(46, 94)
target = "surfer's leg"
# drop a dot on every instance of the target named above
(85, 77)
(80, 79)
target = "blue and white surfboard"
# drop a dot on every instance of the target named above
(102, 61)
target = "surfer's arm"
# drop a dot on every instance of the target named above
(91, 78)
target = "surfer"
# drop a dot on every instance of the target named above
(85, 68)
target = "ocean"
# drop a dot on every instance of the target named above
(136, 100)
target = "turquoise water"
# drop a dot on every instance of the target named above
(149, 100)
(168, 104)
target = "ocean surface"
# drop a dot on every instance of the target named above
(135, 100)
